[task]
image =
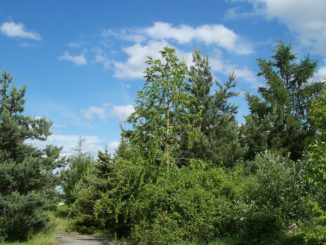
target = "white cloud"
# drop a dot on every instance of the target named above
(218, 35)
(305, 18)
(95, 111)
(213, 34)
(237, 13)
(78, 60)
(91, 143)
(148, 41)
(12, 29)
(113, 146)
(137, 54)
(135, 64)
(128, 34)
(242, 73)
(101, 58)
(321, 73)
(122, 111)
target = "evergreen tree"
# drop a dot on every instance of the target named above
(278, 116)
(78, 165)
(212, 115)
(26, 173)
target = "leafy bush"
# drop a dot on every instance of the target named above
(188, 204)
(127, 178)
(316, 236)
(278, 198)
(23, 216)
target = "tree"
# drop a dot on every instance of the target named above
(212, 115)
(316, 170)
(161, 114)
(87, 187)
(278, 117)
(78, 165)
(27, 181)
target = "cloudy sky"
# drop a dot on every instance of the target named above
(83, 61)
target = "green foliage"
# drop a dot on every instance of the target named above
(274, 198)
(316, 170)
(27, 180)
(316, 237)
(129, 176)
(317, 153)
(279, 116)
(80, 190)
(188, 204)
(78, 166)
(178, 176)
(212, 116)
(281, 189)
(163, 101)
(24, 215)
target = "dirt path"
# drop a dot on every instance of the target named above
(76, 239)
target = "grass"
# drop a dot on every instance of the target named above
(45, 238)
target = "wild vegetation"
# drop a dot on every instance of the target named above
(186, 172)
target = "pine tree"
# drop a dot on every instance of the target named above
(27, 181)
(213, 115)
(78, 165)
(278, 116)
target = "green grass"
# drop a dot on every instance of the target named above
(45, 238)
(40, 239)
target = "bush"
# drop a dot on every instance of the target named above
(316, 236)
(23, 216)
(82, 211)
(278, 198)
(188, 205)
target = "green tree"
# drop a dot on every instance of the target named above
(27, 181)
(161, 114)
(77, 167)
(278, 117)
(316, 170)
(212, 115)
(93, 181)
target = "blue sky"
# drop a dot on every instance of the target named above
(83, 61)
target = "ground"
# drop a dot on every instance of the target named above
(64, 238)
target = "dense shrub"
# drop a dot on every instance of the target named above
(278, 198)
(188, 204)
(316, 237)
(127, 178)
(23, 216)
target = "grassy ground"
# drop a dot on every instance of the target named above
(48, 238)
(40, 239)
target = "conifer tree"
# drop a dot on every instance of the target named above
(278, 115)
(27, 181)
(213, 115)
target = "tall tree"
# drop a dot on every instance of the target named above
(78, 165)
(27, 181)
(160, 116)
(278, 115)
(213, 115)
(316, 170)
